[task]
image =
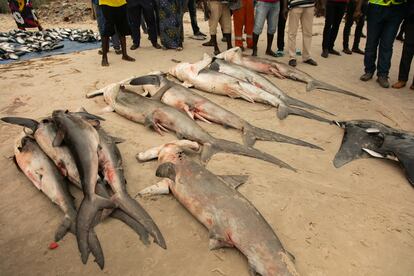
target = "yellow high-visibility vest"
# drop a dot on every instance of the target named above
(112, 3)
(387, 2)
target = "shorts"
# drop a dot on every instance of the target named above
(115, 17)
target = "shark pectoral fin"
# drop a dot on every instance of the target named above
(241, 92)
(60, 135)
(217, 240)
(161, 188)
(373, 153)
(166, 170)
(234, 181)
(187, 109)
(151, 123)
(201, 118)
(214, 244)
(207, 151)
(276, 73)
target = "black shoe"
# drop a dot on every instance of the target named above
(271, 53)
(334, 52)
(325, 53)
(100, 52)
(156, 45)
(383, 82)
(200, 34)
(118, 51)
(292, 62)
(358, 51)
(209, 43)
(366, 76)
(347, 51)
(311, 62)
(134, 47)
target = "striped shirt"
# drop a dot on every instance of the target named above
(300, 3)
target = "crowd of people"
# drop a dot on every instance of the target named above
(387, 20)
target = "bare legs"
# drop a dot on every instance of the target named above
(105, 49)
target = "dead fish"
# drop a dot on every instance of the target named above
(280, 70)
(367, 138)
(198, 107)
(84, 144)
(44, 133)
(161, 117)
(397, 147)
(260, 81)
(110, 162)
(43, 174)
(355, 138)
(211, 81)
(232, 221)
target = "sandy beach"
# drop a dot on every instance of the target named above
(356, 220)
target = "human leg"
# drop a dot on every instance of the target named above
(293, 24)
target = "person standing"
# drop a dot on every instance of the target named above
(281, 31)
(349, 21)
(383, 19)
(301, 11)
(115, 14)
(334, 12)
(135, 9)
(23, 14)
(265, 10)
(171, 24)
(408, 50)
(219, 11)
(100, 19)
(192, 10)
(243, 16)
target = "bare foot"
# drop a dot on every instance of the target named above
(105, 62)
(128, 58)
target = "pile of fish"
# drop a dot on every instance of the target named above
(366, 138)
(73, 147)
(19, 42)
